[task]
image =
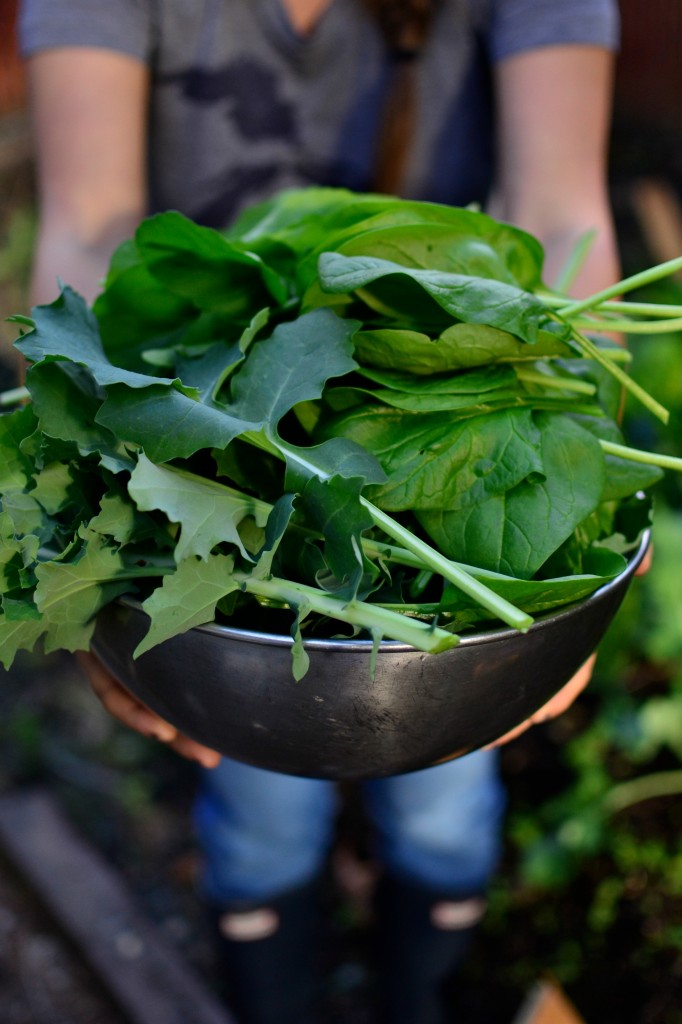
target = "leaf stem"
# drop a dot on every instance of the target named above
(450, 571)
(13, 397)
(575, 261)
(556, 382)
(430, 558)
(630, 326)
(593, 351)
(637, 455)
(371, 617)
(658, 309)
(628, 284)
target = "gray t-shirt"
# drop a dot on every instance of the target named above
(241, 106)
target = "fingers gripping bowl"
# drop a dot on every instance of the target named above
(232, 689)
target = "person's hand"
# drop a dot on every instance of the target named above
(136, 715)
(559, 703)
(562, 700)
(645, 564)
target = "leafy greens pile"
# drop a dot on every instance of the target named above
(350, 411)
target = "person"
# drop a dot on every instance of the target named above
(206, 107)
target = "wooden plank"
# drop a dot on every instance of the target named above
(144, 973)
(546, 1004)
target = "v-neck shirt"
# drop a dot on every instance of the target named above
(242, 105)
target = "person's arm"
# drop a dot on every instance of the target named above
(89, 109)
(89, 121)
(553, 114)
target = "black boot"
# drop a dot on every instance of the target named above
(267, 957)
(423, 937)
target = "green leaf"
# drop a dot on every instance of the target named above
(332, 507)
(119, 519)
(67, 330)
(187, 598)
(15, 467)
(275, 528)
(476, 390)
(208, 512)
(17, 555)
(535, 596)
(470, 299)
(52, 487)
(208, 372)
(458, 247)
(70, 593)
(279, 372)
(135, 308)
(416, 233)
(431, 462)
(19, 609)
(460, 346)
(201, 265)
(18, 635)
(26, 514)
(168, 424)
(294, 221)
(623, 476)
(515, 532)
(292, 366)
(474, 382)
(67, 405)
(335, 457)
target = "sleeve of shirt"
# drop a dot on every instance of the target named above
(122, 25)
(519, 25)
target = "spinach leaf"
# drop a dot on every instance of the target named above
(460, 346)
(467, 298)
(515, 532)
(431, 463)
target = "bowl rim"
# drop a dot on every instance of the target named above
(395, 646)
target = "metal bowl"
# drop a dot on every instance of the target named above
(233, 690)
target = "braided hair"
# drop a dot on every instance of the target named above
(405, 26)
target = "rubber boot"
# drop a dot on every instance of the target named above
(267, 958)
(422, 938)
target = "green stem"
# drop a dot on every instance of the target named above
(13, 397)
(628, 284)
(371, 617)
(575, 261)
(630, 326)
(559, 383)
(431, 608)
(617, 354)
(648, 787)
(498, 606)
(430, 558)
(593, 351)
(659, 309)
(637, 455)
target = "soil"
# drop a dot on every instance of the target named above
(42, 978)
(131, 799)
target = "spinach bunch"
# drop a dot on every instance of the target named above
(347, 412)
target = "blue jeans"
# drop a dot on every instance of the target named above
(263, 833)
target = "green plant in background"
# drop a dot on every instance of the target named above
(612, 831)
(17, 232)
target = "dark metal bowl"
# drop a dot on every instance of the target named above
(233, 690)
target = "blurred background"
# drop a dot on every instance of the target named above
(590, 892)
